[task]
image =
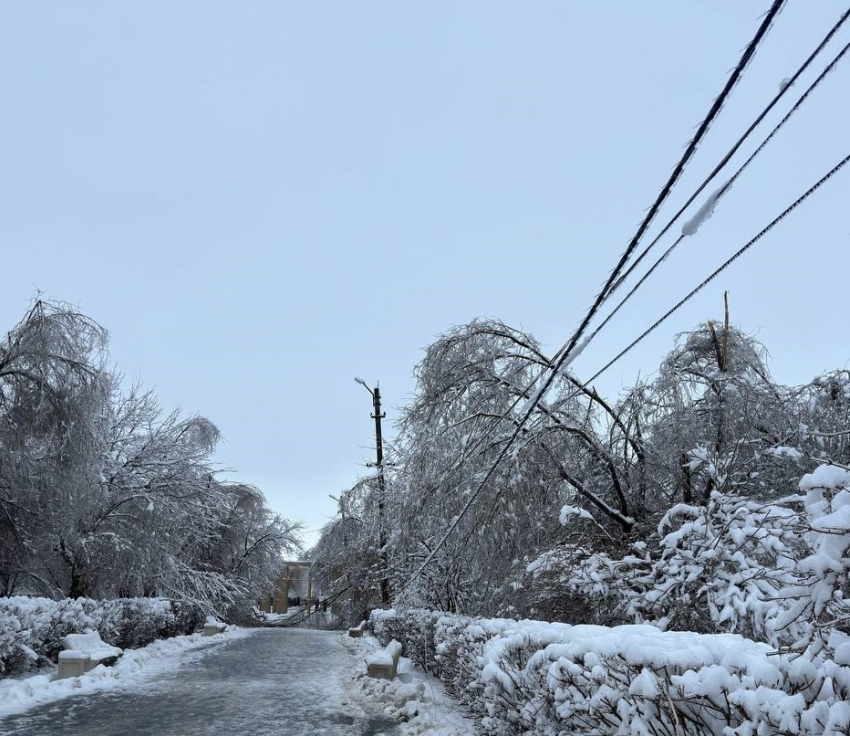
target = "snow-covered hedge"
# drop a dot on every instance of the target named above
(818, 605)
(31, 629)
(542, 678)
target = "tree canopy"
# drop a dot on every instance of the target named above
(104, 494)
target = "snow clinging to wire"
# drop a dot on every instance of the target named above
(691, 226)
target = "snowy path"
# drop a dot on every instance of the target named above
(274, 681)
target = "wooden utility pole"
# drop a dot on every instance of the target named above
(382, 489)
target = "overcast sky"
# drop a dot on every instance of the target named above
(262, 200)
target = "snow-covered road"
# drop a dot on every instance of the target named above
(272, 681)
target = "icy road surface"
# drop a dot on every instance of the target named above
(275, 681)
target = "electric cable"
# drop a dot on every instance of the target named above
(805, 65)
(802, 198)
(560, 359)
(716, 196)
(566, 355)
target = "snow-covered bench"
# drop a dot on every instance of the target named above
(84, 652)
(213, 626)
(384, 664)
(358, 630)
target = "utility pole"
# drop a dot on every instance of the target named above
(382, 491)
(382, 488)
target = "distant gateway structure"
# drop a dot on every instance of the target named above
(294, 584)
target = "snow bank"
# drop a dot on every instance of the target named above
(416, 701)
(19, 695)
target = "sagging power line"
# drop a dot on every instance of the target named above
(714, 198)
(802, 198)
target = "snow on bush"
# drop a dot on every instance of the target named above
(15, 653)
(719, 568)
(714, 568)
(44, 622)
(821, 598)
(413, 629)
(544, 679)
(772, 578)
(31, 629)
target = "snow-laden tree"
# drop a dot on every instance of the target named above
(713, 418)
(102, 494)
(703, 450)
(163, 524)
(822, 429)
(473, 387)
(347, 558)
(677, 504)
(249, 542)
(54, 394)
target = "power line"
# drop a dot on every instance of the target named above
(724, 266)
(713, 112)
(715, 197)
(805, 65)
(561, 356)
(559, 359)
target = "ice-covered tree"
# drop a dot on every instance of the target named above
(54, 394)
(347, 559)
(713, 417)
(103, 494)
(473, 387)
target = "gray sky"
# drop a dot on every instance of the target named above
(262, 200)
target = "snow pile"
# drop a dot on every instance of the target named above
(31, 629)
(415, 700)
(19, 695)
(544, 678)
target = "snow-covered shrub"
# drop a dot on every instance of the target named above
(46, 621)
(719, 568)
(31, 629)
(467, 649)
(714, 568)
(134, 622)
(616, 680)
(575, 584)
(186, 617)
(139, 620)
(819, 604)
(460, 642)
(15, 653)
